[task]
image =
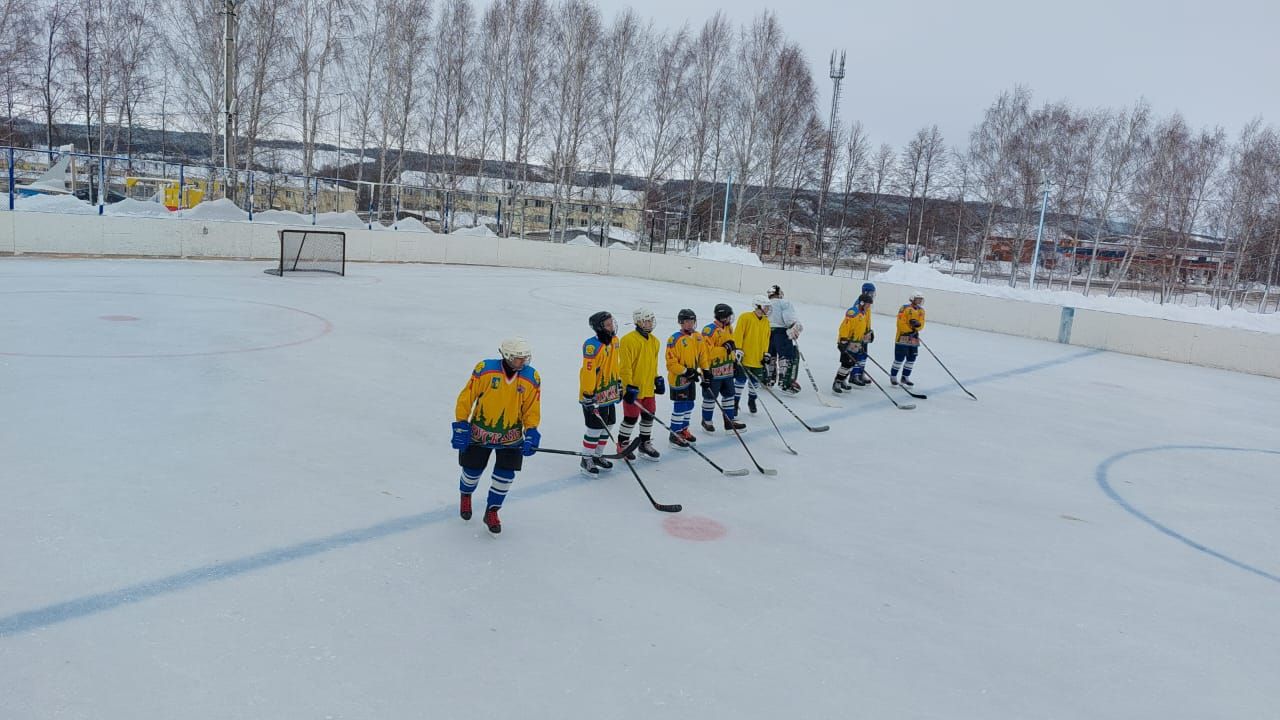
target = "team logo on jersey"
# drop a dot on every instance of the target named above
(494, 385)
(589, 350)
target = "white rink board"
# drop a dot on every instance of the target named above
(1234, 349)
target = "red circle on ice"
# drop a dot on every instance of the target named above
(117, 318)
(693, 527)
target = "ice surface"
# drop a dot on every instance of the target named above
(230, 495)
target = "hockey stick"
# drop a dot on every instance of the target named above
(944, 367)
(918, 396)
(814, 383)
(807, 426)
(760, 468)
(673, 508)
(635, 443)
(768, 414)
(732, 473)
(908, 406)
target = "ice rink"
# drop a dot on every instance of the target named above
(230, 495)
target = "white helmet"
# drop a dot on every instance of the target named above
(516, 348)
(916, 295)
(761, 301)
(774, 291)
(643, 314)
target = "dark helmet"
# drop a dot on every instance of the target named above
(686, 314)
(868, 288)
(865, 298)
(723, 312)
(597, 324)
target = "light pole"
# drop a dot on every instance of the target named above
(1044, 204)
(837, 74)
(229, 92)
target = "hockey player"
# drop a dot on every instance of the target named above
(785, 329)
(907, 344)
(719, 351)
(638, 369)
(600, 390)
(852, 340)
(684, 364)
(498, 412)
(752, 337)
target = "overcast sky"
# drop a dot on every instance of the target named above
(912, 64)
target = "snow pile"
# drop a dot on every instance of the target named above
(582, 241)
(282, 217)
(921, 276)
(137, 208)
(346, 219)
(478, 231)
(724, 252)
(619, 246)
(221, 209)
(411, 224)
(68, 204)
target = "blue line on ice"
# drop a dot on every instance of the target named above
(93, 604)
(1104, 469)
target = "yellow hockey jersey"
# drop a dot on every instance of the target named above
(714, 356)
(500, 408)
(855, 326)
(598, 379)
(683, 352)
(906, 314)
(638, 362)
(752, 337)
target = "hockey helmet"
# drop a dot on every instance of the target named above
(643, 315)
(516, 348)
(686, 314)
(723, 312)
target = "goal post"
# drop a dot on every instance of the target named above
(311, 251)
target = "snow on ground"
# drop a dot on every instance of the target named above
(923, 276)
(231, 495)
(66, 204)
(724, 252)
(582, 241)
(477, 231)
(221, 209)
(137, 208)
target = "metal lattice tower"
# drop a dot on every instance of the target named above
(837, 74)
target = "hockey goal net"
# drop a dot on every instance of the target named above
(312, 251)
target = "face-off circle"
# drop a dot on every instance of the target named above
(64, 324)
(693, 527)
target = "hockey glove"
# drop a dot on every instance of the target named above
(794, 331)
(915, 324)
(631, 394)
(461, 435)
(532, 438)
(588, 403)
(842, 346)
(730, 347)
(706, 380)
(766, 360)
(690, 375)
(659, 385)
(870, 337)
(737, 355)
